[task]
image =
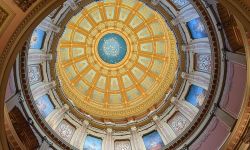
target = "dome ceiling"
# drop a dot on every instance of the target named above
(116, 60)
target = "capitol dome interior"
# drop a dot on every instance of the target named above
(124, 74)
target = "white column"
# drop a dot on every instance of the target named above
(44, 145)
(42, 89)
(72, 4)
(109, 141)
(56, 116)
(165, 132)
(200, 46)
(38, 57)
(184, 15)
(197, 80)
(48, 25)
(80, 135)
(187, 109)
(136, 140)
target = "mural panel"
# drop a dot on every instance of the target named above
(37, 39)
(123, 145)
(34, 74)
(178, 123)
(180, 3)
(65, 130)
(92, 143)
(203, 62)
(196, 95)
(44, 105)
(197, 29)
(153, 141)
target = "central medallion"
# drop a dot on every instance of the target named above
(112, 48)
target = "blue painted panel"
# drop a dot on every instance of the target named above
(153, 141)
(44, 105)
(194, 93)
(37, 39)
(197, 29)
(92, 143)
(112, 48)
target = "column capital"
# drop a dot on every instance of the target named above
(48, 25)
(185, 14)
(199, 46)
(72, 4)
(196, 79)
(109, 130)
(85, 122)
(38, 57)
(184, 107)
(133, 129)
(155, 118)
(155, 2)
(43, 89)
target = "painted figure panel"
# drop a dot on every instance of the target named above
(44, 105)
(92, 143)
(153, 141)
(196, 95)
(197, 29)
(37, 39)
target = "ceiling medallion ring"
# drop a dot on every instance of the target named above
(132, 47)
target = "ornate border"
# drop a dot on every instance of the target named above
(6, 15)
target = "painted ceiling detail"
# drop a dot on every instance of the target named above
(116, 59)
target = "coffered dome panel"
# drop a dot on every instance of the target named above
(116, 59)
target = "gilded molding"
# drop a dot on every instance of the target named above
(6, 15)
(24, 4)
(3, 16)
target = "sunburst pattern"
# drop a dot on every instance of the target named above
(132, 85)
